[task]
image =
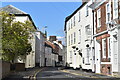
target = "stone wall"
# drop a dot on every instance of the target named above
(5, 68)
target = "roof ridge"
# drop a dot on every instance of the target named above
(12, 9)
(17, 9)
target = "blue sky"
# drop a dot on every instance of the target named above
(50, 14)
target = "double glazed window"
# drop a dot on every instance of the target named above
(108, 12)
(87, 12)
(70, 56)
(88, 30)
(74, 37)
(99, 18)
(116, 8)
(88, 55)
(68, 25)
(71, 39)
(79, 17)
(79, 35)
(74, 20)
(104, 47)
(71, 23)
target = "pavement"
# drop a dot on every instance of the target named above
(86, 74)
(57, 73)
(28, 74)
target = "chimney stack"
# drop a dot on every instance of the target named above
(52, 38)
(60, 42)
(83, 1)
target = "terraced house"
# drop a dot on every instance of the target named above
(107, 36)
(93, 37)
(79, 30)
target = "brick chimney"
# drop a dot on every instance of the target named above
(60, 42)
(83, 1)
(52, 38)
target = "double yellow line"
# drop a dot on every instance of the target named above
(66, 71)
(37, 73)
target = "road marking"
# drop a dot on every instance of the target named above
(66, 71)
(37, 73)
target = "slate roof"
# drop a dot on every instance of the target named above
(12, 10)
(17, 12)
(54, 47)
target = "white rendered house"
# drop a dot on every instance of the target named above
(21, 16)
(78, 28)
(40, 48)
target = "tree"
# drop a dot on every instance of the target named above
(15, 37)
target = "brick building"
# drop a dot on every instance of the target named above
(106, 37)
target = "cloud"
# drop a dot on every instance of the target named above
(60, 37)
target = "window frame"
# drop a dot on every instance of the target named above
(87, 10)
(79, 18)
(71, 56)
(71, 39)
(109, 48)
(99, 18)
(86, 29)
(115, 9)
(74, 20)
(80, 35)
(104, 45)
(74, 37)
(108, 9)
(71, 24)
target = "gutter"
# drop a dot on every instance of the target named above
(98, 34)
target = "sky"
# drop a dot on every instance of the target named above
(50, 14)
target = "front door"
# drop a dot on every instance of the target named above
(115, 53)
(98, 57)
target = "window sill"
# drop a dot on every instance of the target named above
(87, 63)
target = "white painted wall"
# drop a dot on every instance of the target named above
(115, 43)
(29, 60)
(76, 60)
(86, 40)
(48, 56)
(51, 58)
(40, 49)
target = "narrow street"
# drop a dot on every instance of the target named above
(60, 40)
(57, 73)
(53, 73)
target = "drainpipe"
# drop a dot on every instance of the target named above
(93, 43)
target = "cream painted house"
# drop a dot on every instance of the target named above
(21, 16)
(79, 30)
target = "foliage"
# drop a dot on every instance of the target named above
(15, 37)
